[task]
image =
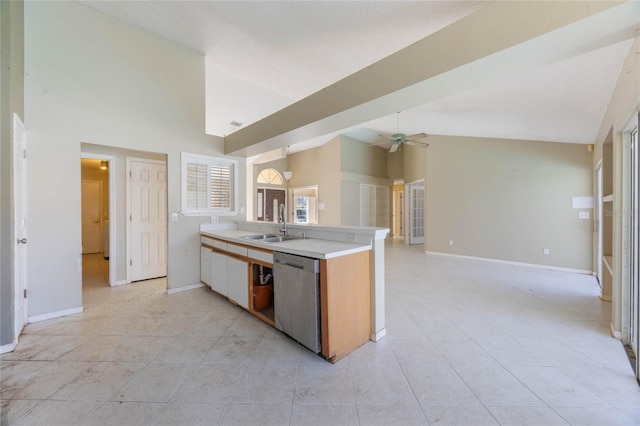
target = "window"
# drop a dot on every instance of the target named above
(304, 201)
(208, 185)
(270, 176)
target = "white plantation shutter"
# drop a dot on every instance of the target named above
(221, 186)
(374, 205)
(196, 187)
(208, 184)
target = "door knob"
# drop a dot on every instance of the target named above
(22, 241)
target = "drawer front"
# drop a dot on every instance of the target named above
(220, 244)
(239, 250)
(206, 240)
(261, 255)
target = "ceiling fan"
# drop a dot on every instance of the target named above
(398, 139)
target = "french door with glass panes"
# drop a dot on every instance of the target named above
(416, 213)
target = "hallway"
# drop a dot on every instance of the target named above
(96, 291)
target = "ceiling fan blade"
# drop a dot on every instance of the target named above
(417, 143)
(379, 143)
(394, 147)
(417, 136)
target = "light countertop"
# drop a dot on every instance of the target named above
(309, 247)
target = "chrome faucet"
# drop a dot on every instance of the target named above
(283, 220)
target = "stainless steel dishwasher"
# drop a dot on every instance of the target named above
(296, 298)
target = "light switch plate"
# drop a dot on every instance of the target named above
(174, 217)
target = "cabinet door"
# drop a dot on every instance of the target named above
(205, 265)
(238, 281)
(218, 272)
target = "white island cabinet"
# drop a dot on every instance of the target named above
(238, 281)
(218, 262)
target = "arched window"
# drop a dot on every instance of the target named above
(270, 177)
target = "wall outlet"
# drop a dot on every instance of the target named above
(545, 251)
(174, 217)
(450, 242)
(351, 238)
(583, 215)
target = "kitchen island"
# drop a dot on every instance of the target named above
(238, 257)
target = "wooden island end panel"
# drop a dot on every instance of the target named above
(345, 304)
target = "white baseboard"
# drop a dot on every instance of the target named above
(184, 288)
(8, 347)
(375, 337)
(509, 262)
(614, 333)
(606, 297)
(51, 315)
(121, 282)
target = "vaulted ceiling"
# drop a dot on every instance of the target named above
(298, 73)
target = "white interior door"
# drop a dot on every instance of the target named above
(416, 214)
(91, 216)
(148, 220)
(20, 224)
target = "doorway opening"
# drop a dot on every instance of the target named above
(104, 245)
(270, 195)
(415, 212)
(95, 215)
(398, 208)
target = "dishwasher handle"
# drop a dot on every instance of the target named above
(306, 264)
(293, 265)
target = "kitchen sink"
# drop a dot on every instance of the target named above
(270, 238)
(280, 238)
(260, 236)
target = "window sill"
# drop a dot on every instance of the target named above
(225, 213)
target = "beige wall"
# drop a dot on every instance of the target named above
(115, 86)
(320, 166)
(395, 165)
(338, 168)
(508, 200)
(362, 158)
(415, 163)
(361, 163)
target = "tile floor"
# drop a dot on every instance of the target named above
(97, 292)
(469, 343)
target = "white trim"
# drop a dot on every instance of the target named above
(9, 347)
(56, 314)
(378, 335)
(184, 288)
(615, 334)
(606, 298)
(509, 262)
(120, 282)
